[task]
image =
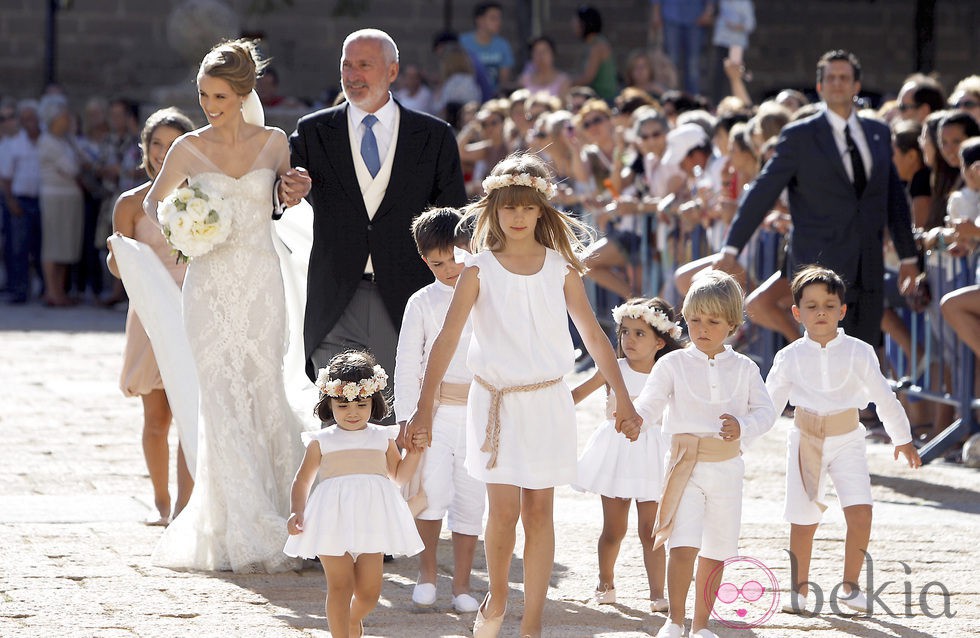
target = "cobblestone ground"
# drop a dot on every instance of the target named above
(74, 554)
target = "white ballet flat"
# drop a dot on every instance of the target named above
(796, 604)
(424, 594)
(855, 602)
(671, 630)
(484, 627)
(605, 595)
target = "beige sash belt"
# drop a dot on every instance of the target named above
(492, 441)
(813, 430)
(344, 462)
(414, 491)
(686, 450)
(452, 394)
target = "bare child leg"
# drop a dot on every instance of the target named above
(537, 516)
(464, 547)
(858, 520)
(368, 572)
(429, 531)
(655, 561)
(706, 586)
(680, 569)
(339, 571)
(801, 547)
(615, 519)
(498, 543)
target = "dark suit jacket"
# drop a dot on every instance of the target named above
(426, 172)
(831, 225)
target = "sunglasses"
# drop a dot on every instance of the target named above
(650, 136)
(966, 104)
(587, 124)
(750, 591)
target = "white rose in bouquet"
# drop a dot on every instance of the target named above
(193, 221)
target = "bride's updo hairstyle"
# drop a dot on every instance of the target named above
(170, 117)
(348, 377)
(238, 62)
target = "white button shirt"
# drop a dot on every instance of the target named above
(688, 393)
(837, 123)
(425, 313)
(843, 374)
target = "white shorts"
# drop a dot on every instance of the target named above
(449, 488)
(709, 515)
(844, 460)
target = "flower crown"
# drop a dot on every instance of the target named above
(656, 318)
(350, 390)
(493, 182)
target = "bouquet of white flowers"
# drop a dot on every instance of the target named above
(193, 221)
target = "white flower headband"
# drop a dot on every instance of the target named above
(656, 318)
(350, 390)
(493, 182)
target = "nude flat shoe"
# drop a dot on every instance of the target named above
(484, 627)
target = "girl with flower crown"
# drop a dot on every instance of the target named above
(521, 285)
(356, 514)
(621, 471)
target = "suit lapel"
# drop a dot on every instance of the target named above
(408, 147)
(825, 141)
(335, 141)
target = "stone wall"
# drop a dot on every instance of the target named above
(120, 47)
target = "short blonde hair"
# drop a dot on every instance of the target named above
(714, 292)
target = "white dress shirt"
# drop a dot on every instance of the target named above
(425, 313)
(837, 124)
(843, 374)
(689, 392)
(384, 128)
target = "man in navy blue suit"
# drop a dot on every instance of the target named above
(843, 192)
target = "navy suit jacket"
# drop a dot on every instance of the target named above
(832, 226)
(426, 172)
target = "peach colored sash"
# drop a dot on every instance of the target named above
(452, 394)
(492, 441)
(345, 462)
(813, 430)
(686, 451)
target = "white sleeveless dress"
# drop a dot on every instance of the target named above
(355, 513)
(520, 337)
(249, 438)
(614, 466)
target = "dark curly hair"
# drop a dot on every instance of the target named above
(352, 366)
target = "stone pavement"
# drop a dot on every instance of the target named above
(74, 554)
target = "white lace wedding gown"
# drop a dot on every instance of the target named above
(249, 438)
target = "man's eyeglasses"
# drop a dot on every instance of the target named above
(966, 104)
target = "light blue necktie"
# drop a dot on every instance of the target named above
(369, 146)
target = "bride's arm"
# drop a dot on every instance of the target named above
(175, 171)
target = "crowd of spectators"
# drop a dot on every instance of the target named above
(654, 165)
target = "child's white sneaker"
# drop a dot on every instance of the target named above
(424, 594)
(670, 630)
(704, 633)
(605, 595)
(659, 605)
(796, 603)
(465, 604)
(856, 602)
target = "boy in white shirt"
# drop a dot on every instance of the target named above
(829, 376)
(709, 398)
(448, 488)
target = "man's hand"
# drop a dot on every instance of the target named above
(294, 185)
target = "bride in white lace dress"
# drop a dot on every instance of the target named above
(235, 316)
